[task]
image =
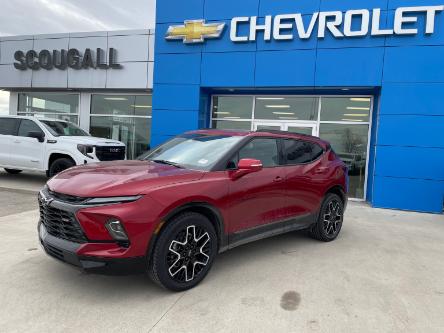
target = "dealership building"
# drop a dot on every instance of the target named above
(365, 75)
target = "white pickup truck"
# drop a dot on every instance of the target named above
(28, 143)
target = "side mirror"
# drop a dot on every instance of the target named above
(40, 136)
(246, 166)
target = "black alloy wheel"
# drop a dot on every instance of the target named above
(330, 219)
(184, 252)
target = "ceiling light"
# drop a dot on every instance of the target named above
(359, 99)
(356, 114)
(345, 89)
(351, 119)
(141, 106)
(270, 98)
(231, 117)
(221, 112)
(289, 118)
(284, 113)
(116, 98)
(278, 106)
(357, 108)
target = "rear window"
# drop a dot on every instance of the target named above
(301, 152)
(8, 126)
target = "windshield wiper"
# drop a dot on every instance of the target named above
(177, 165)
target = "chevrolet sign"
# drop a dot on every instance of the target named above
(352, 23)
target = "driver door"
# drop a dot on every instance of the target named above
(258, 198)
(27, 153)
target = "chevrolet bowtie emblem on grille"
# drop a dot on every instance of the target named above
(195, 31)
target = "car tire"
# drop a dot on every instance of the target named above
(330, 218)
(184, 252)
(59, 165)
(13, 171)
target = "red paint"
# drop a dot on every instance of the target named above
(255, 197)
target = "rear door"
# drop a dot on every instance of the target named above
(306, 173)
(258, 198)
(27, 152)
(8, 128)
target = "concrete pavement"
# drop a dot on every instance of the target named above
(26, 181)
(384, 273)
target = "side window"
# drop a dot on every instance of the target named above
(27, 126)
(300, 152)
(8, 126)
(265, 150)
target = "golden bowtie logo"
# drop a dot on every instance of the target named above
(195, 31)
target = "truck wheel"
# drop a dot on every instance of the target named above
(13, 171)
(184, 252)
(330, 219)
(59, 165)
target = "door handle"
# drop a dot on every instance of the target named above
(278, 179)
(320, 170)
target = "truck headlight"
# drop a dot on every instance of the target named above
(85, 149)
(116, 229)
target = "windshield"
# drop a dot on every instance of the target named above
(194, 151)
(63, 128)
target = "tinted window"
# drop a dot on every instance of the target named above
(27, 126)
(8, 126)
(265, 150)
(299, 152)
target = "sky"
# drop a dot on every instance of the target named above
(30, 17)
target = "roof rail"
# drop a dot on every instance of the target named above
(281, 132)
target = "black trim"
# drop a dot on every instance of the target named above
(271, 229)
(65, 251)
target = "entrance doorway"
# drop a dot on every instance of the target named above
(296, 127)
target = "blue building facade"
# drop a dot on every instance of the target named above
(391, 56)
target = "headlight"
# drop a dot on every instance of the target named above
(85, 149)
(111, 200)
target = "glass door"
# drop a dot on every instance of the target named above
(301, 128)
(308, 129)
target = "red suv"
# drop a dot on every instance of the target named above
(198, 194)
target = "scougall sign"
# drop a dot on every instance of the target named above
(62, 59)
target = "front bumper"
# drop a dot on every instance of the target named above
(66, 251)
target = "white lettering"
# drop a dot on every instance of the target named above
(330, 25)
(430, 19)
(400, 19)
(254, 28)
(233, 31)
(365, 20)
(306, 34)
(376, 24)
(278, 26)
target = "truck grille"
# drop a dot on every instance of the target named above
(113, 153)
(61, 224)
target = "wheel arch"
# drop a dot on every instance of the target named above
(204, 208)
(338, 190)
(56, 155)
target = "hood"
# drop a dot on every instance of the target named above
(119, 178)
(90, 140)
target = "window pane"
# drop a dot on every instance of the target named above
(133, 132)
(297, 152)
(7, 126)
(232, 107)
(264, 150)
(65, 117)
(236, 125)
(355, 109)
(286, 108)
(143, 105)
(350, 144)
(48, 103)
(27, 126)
(113, 104)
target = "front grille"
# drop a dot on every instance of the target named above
(112, 153)
(61, 224)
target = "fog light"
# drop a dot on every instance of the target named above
(116, 230)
